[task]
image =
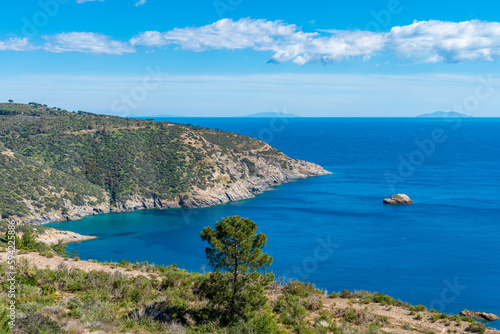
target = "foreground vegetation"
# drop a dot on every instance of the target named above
(170, 300)
(74, 297)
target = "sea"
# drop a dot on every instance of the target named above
(334, 231)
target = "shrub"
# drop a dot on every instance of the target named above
(4, 321)
(291, 309)
(334, 295)
(346, 294)
(354, 317)
(417, 308)
(476, 328)
(314, 302)
(264, 322)
(28, 241)
(301, 289)
(47, 254)
(36, 323)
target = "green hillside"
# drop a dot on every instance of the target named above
(85, 159)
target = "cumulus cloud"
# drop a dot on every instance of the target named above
(86, 42)
(286, 40)
(438, 41)
(17, 44)
(423, 41)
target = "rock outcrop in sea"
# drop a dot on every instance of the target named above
(398, 199)
(479, 315)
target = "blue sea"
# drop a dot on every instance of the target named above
(442, 252)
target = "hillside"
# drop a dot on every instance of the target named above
(63, 165)
(72, 296)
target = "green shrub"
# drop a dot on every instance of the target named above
(346, 294)
(334, 295)
(262, 322)
(353, 316)
(36, 323)
(4, 321)
(476, 328)
(417, 308)
(301, 289)
(314, 302)
(290, 309)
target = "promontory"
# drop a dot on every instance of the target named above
(58, 165)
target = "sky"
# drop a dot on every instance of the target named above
(358, 58)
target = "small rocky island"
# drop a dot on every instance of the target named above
(479, 315)
(398, 199)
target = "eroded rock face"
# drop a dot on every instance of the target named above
(479, 315)
(271, 173)
(398, 199)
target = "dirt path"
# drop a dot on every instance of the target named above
(56, 262)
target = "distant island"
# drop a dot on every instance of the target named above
(445, 114)
(271, 114)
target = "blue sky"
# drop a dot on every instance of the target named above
(236, 57)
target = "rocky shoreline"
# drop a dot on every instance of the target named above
(270, 175)
(53, 236)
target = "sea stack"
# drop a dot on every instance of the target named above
(398, 199)
(479, 315)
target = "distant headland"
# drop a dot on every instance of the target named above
(445, 114)
(271, 114)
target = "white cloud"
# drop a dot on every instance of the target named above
(140, 3)
(86, 42)
(438, 41)
(82, 1)
(423, 41)
(17, 44)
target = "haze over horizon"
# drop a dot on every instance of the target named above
(396, 58)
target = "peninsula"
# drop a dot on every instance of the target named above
(59, 165)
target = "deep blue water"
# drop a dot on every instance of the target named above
(442, 252)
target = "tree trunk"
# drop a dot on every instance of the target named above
(235, 278)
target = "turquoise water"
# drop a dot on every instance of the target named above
(442, 251)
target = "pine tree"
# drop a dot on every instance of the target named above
(236, 288)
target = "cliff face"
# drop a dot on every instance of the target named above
(248, 187)
(64, 166)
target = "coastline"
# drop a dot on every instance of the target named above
(53, 236)
(220, 194)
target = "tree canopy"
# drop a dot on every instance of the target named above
(235, 254)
